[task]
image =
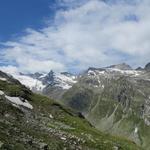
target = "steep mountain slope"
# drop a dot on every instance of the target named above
(30, 122)
(116, 100)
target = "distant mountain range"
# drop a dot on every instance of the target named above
(44, 83)
(114, 99)
(30, 121)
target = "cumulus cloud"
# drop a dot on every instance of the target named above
(87, 33)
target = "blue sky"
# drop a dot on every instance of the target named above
(16, 15)
(72, 35)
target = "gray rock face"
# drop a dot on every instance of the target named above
(147, 67)
(49, 79)
(140, 69)
(122, 66)
(114, 99)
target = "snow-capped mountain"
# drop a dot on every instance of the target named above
(32, 83)
(37, 82)
(122, 66)
(50, 83)
(120, 69)
(97, 75)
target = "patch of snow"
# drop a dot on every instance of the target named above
(42, 76)
(51, 116)
(3, 79)
(64, 81)
(64, 78)
(101, 72)
(147, 79)
(90, 72)
(18, 102)
(96, 86)
(128, 72)
(73, 77)
(147, 122)
(65, 86)
(136, 73)
(63, 138)
(17, 106)
(103, 86)
(141, 92)
(99, 81)
(1, 92)
(136, 130)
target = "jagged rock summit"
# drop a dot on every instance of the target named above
(122, 66)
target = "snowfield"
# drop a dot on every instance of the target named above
(65, 82)
(3, 79)
(30, 82)
(128, 72)
(1, 92)
(17, 101)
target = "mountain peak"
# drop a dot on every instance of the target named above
(122, 66)
(147, 67)
(93, 69)
(139, 69)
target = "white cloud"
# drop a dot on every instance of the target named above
(93, 33)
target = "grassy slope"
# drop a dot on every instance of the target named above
(49, 126)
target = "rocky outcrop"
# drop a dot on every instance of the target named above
(147, 67)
